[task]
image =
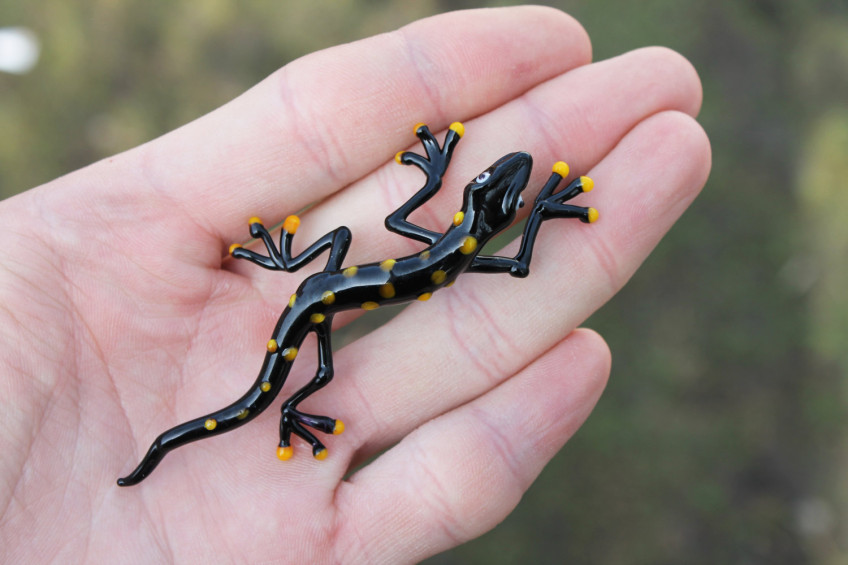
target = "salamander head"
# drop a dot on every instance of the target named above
(494, 196)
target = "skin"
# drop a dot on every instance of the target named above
(122, 315)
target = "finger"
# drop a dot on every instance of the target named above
(467, 338)
(578, 116)
(458, 476)
(329, 118)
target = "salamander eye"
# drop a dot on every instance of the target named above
(483, 177)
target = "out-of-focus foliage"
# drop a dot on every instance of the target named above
(721, 438)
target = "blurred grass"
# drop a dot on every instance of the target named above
(721, 437)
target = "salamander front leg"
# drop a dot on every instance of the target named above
(294, 421)
(434, 165)
(548, 204)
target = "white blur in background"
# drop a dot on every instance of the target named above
(19, 50)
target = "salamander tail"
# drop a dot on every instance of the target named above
(254, 402)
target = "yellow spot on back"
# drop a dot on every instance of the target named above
(425, 297)
(328, 297)
(243, 413)
(458, 217)
(370, 305)
(350, 271)
(291, 224)
(387, 290)
(266, 386)
(438, 277)
(469, 244)
(450, 284)
(210, 424)
(289, 353)
(272, 345)
(388, 264)
(317, 318)
(321, 455)
(285, 453)
(292, 300)
(561, 168)
(424, 255)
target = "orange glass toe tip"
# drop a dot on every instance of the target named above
(398, 156)
(234, 246)
(291, 224)
(418, 126)
(285, 453)
(254, 220)
(561, 168)
(338, 428)
(321, 455)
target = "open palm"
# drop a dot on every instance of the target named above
(122, 315)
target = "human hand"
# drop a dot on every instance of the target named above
(122, 315)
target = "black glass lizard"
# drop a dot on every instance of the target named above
(490, 204)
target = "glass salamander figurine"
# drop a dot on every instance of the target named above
(490, 204)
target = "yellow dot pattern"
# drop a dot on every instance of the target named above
(469, 244)
(438, 277)
(458, 217)
(266, 386)
(272, 346)
(370, 305)
(244, 412)
(388, 265)
(328, 297)
(350, 271)
(424, 255)
(387, 290)
(425, 297)
(210, 424)
(292, 300)
(317, 318)
(289, 353)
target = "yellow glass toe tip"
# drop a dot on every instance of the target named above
(418, 126)
(234, 246)
(338, 428)
(254, 220)
(291, 224)
(398, 156)
(458, 128)
(321, 455)
(593, 215)
(285, 453)
(587, 184)
(561, 168)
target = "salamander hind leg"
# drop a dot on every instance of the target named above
(293, 421)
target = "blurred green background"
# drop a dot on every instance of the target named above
(721, 437)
